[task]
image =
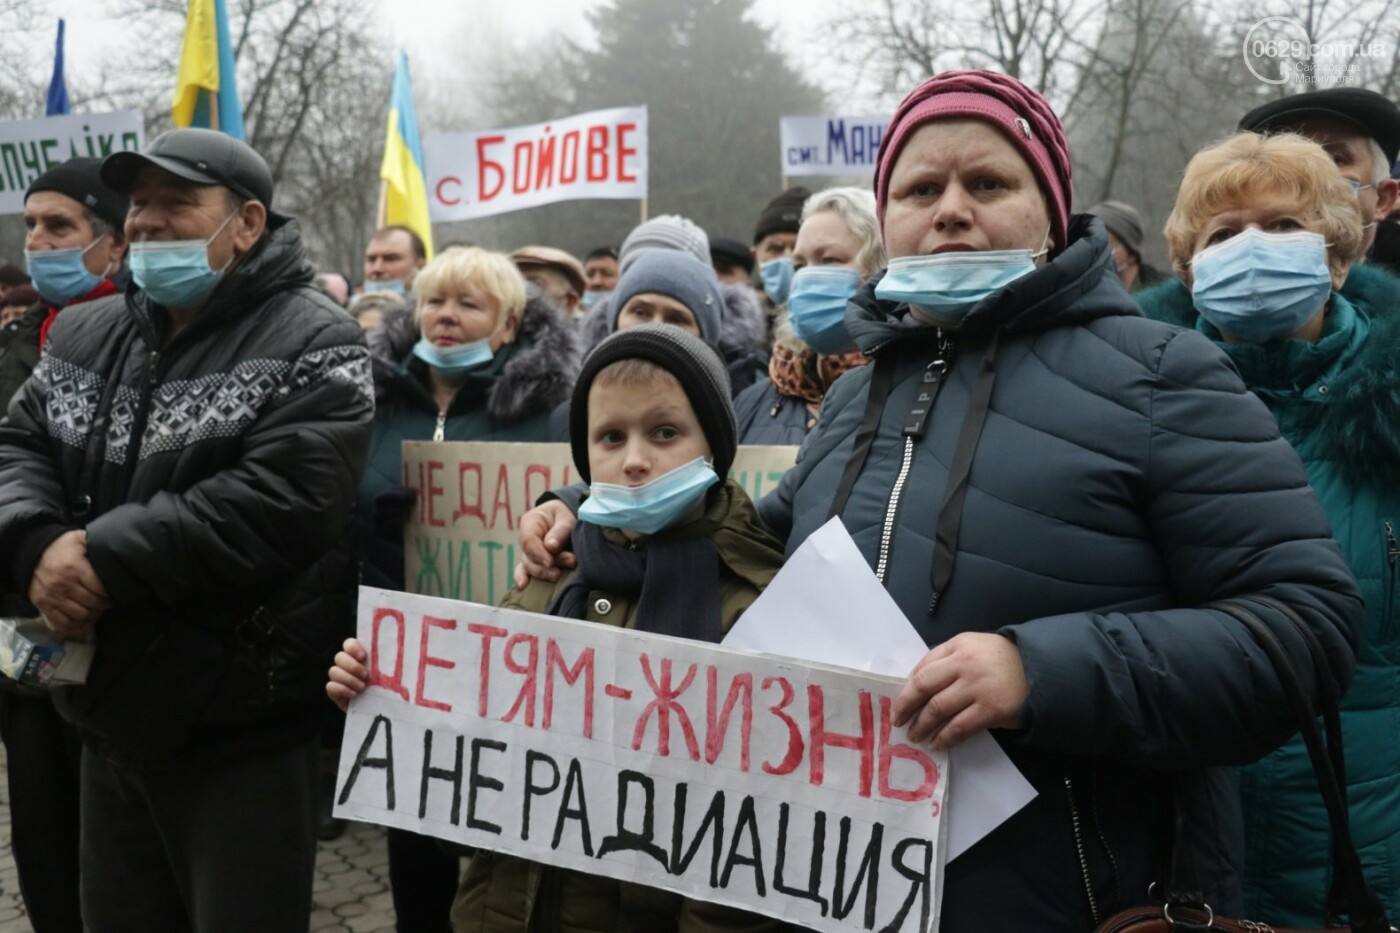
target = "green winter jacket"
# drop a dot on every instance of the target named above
(506, 894)
(1338, 403)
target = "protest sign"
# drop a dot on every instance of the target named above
(461, 539)
(29, 148)
(831, 145)
(602, 154)
(755, 781)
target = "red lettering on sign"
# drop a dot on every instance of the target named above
(426, 660)
(520, 175)
(377, 677)
(542, 471)
(863, 743)
(892, 750)
(664, 704)
(502, 499)
(488, 633)
(597, 153)
(554, 659)
(716, 727)
(623, 151)
(434, 492)
(544, 163)
(568, 161)
(526, 696)
(467, 506)
(483, 164)
(795, 745)
(441, 191)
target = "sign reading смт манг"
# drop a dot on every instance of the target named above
(759, 782)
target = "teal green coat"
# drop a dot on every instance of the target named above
(1338, 403)
(509, 400)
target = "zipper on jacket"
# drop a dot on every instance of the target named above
(440, 431)
(1079, 849)
(915, 427)
(1392, 547)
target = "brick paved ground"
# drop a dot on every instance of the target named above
(351, 889)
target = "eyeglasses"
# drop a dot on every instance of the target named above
(1357, 187)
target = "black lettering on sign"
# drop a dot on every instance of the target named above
(573, 787)
(712, 822)
(814, 874)
(746, 821)
(533, 790)
(479, 781)
(452, 775)
(920, 876)
(625, 838)
(868, 873)
(385, 764)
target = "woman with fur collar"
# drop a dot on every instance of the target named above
(1264, 236)
(475, 359)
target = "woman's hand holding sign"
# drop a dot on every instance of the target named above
(971, 682)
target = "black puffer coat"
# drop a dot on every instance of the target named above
(1123, 478)
(222, 489)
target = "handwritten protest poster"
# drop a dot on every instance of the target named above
(601, 154)
(461, 541)
(755, 781)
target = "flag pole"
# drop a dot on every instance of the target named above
(381, 213)
(213, 110)
(644, 209)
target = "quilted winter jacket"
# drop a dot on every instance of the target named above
(217, 490)
(509, 400)
(766, 416)
(505, 894)
(1338, 403)
(1123, 479)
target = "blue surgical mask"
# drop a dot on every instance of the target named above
(176, 273)
(1261, 286)
(457, 360)
(393, 286)
(652, 506)
(592, 298)
(945, 287)
(776, 275)
(817, 306)
(60, 275)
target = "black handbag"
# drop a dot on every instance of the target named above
(1350, 895)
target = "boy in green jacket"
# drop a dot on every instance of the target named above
(663, 545)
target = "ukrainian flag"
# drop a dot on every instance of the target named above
(206, 92)
(404, 194)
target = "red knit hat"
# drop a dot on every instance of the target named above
(1022, 115)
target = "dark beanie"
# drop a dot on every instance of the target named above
(696, 367)
(676, 275)
(1123, 221)
(80, 180)
(782, 215)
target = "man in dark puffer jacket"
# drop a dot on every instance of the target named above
(178, 480)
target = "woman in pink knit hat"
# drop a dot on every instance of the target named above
(1058, 493)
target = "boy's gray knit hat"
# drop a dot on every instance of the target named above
(696, 367)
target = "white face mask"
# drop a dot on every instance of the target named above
(945, 287)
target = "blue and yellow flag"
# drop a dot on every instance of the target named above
(57, 104)
(206, 92)
(404, 198)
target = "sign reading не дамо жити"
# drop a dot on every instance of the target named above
(760, 782)
(29, 148)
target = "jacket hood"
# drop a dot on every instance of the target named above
(276, 263)
(742, 326)
(1078, 285)
(537, 377)
(1361, 421)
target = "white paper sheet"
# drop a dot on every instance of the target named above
(826, 606)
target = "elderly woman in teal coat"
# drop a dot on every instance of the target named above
(1264, 237)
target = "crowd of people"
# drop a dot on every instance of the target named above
(1066, 466)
